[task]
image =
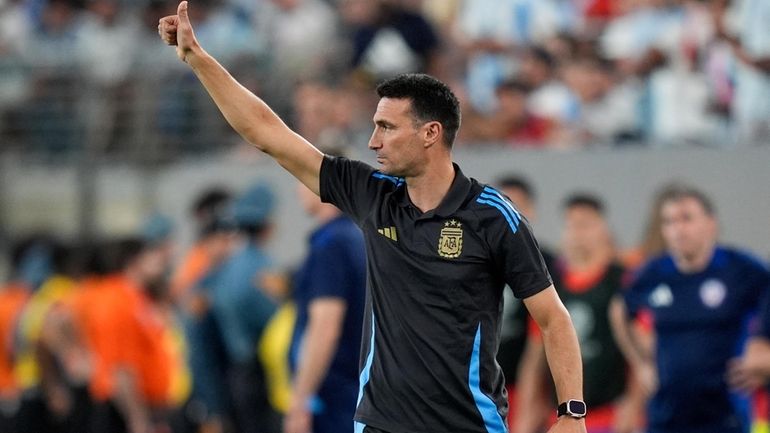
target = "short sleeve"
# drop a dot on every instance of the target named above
(350, 185)
(635, 294)
(524, 269)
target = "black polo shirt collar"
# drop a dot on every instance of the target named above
(455, 197)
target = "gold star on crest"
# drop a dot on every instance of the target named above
(452, 223)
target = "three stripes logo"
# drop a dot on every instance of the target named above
(389, 232)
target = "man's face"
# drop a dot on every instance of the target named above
(687, 228)
(396, 138)
(584, 230)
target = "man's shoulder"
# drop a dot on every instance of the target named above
(656, 269)
(737, 257)
(493, 208)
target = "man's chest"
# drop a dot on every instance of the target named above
(708, 300)
(436, 251)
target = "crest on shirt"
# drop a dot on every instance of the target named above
(661, 296)
(713, 293)
(450, 243)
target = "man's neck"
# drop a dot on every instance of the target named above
(695, 263)
(427, 190)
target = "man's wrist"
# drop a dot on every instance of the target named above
(194, 55)
(572, 409)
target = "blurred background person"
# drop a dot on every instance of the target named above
(329, 292)
(192, 297)
(242, 309)
(512, 123)
(741, 24)
(589, 278)
(52, 401)
(388, 39)
(133, 367)
(701, 296)
(14, 294)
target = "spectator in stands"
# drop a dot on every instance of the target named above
(48, 52)
(302, 34)
(14, 32)
(590, 278)
(511, 123)
(388, 39)
(750, 42)
(304, 44)
(700, 296)
(105, 73)
(606, 112)
(490, 31)
(550, 98)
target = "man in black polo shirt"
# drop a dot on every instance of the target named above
(440, 249)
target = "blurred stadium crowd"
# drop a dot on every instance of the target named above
(91, 76)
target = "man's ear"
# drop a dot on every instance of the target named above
(432, 133)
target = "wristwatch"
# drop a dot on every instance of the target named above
(572, 408)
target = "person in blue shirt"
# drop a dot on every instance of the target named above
(242, 310)
(329, 293)
(751, 371)
(702, 298)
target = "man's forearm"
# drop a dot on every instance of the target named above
(563, 353)
(319, 346)
(243, 110)
(326, 316)
(624, 335)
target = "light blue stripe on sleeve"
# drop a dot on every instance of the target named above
(508, 217)
(506, 206)
(502, 199)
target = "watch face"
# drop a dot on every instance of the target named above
(576, 407)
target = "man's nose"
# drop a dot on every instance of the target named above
(374, 143)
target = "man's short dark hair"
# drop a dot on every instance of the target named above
(583, 199)
(519, 183)
(680, 191)
(431, 100)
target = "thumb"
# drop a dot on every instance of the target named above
(181, 11)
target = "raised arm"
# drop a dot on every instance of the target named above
(243, 110)
(561, 350)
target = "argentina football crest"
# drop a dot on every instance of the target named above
(450, 243)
